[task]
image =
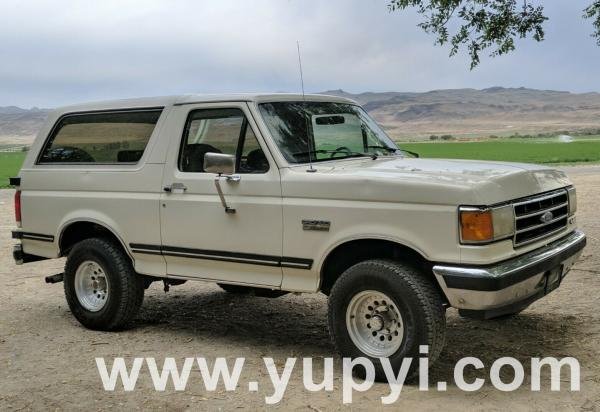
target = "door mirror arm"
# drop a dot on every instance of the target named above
(230, 178)
(224, 166)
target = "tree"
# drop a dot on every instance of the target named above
(480, 25)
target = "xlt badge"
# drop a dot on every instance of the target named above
(320, 225)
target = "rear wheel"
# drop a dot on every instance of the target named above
(102, 289)
(384, 309)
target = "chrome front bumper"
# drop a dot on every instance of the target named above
(512, 284)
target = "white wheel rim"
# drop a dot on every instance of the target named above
(91, 286)
(374, 323)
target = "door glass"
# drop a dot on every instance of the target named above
(221, 131)
(252, 159)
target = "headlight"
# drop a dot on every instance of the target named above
(572, 200)
(484, 225)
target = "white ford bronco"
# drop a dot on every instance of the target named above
(276, 193)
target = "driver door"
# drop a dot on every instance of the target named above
(201, 240)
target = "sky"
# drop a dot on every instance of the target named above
(61, 52)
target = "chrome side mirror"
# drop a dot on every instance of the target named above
(219, 163)
(224, 166)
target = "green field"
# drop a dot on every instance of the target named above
(548, 150)
(10, 163)
(513, 150)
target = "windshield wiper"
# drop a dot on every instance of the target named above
(343, 152)
(393, 150)
(387, 148)
(415, 154)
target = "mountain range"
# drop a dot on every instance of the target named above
(19, 126)
(471, 112)
(407, 115)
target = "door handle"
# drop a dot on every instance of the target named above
(176, 187)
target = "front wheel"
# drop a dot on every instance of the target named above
(102, 289)
(384, 309)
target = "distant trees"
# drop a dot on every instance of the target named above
(517, 135)
(434, 137)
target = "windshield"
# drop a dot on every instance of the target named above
(318, 131)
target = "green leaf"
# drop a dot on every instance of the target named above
(483, 25)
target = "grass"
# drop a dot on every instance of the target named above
(581, 150)
(513, 150)
(10, 163)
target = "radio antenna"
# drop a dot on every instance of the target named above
(310, 166)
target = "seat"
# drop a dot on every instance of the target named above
(193, 156)
(129, 156)
(256, 162)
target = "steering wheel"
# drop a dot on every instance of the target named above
(339, 150)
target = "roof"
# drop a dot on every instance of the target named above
(146, 102)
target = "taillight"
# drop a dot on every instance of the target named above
(18, 207)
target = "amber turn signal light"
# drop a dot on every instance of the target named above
(476, 226)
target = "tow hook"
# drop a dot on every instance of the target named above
(55, 278)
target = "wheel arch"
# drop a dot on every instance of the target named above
(352, 251)
(76, 230)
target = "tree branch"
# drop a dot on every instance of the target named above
(481, 25)
(593, 12)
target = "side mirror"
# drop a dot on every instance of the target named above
(224, 166)
(219, 163)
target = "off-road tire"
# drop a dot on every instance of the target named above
(126, 287)
(417, 298)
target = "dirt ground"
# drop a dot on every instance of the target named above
(47, 358)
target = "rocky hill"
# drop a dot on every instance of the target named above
(460, 112)
(19, 126)
(471, 112)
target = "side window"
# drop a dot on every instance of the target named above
(220, 131)
(103, 138)
(252, 159)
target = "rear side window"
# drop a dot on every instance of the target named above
(103, 138)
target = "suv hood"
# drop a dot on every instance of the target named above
(432, 181)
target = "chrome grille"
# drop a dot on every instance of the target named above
(540, 216)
